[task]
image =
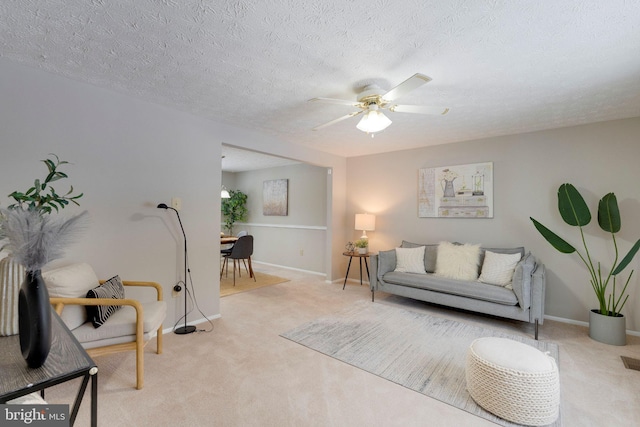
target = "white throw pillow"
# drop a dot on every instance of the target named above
(497, 269)
(458, 261)
(410, 260)
(72, 281)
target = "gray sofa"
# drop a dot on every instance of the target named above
(525, 301)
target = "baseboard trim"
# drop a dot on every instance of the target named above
(356, 281)
(581, 323)
(316, 273)
(192, 323)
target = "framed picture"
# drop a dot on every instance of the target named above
(275, 197)
(461, 191)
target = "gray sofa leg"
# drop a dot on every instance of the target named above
(372, 295)
(536, 332)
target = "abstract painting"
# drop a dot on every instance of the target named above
(275, 197)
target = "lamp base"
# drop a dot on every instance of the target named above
(183, 330)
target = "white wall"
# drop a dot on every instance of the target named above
(528, 169)
(129, 155)
(297, 240)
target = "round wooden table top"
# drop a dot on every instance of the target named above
(356, 254)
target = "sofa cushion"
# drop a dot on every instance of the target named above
(464, 288)
(497, 269)
(410, 260)
(458, 261)
(430, 254)
(113, 289)
(72, 281)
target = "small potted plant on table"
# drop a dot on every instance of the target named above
(362, 245)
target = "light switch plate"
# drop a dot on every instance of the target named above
(176, 203)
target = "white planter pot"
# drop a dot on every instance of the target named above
(607, 329)
(363, 251)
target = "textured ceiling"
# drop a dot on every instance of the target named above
(503, 67)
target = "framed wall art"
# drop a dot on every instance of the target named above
(275, 197)
(460, 191)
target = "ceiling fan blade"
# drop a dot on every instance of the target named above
(406, 86)
(418, 109)
(332, 122)
(336, 101)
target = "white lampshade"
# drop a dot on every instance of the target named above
(224, 194)
(365, 222)
(373, 121)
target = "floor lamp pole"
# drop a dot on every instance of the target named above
(183, 330)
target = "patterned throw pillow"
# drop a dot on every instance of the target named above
(497, 269)
(410, 260)
(112, 288)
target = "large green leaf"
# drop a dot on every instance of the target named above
(572, 207)
(556, 241)
(627, 259)
(609, 214)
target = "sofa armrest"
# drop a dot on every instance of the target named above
(538, 288)
(373, 276)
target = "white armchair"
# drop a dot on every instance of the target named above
(128, 328)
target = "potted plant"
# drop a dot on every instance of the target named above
(234, 209)
(34, 237)
(575, 212)
(362, 245)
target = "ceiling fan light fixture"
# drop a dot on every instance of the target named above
(373, 121)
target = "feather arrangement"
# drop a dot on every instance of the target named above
(36, 239)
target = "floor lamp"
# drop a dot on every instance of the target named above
(183, 329)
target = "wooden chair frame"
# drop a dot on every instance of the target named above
(137, 345)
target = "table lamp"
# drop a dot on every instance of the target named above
(365, 222)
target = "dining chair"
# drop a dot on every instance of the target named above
(242, 250)
(227, 249)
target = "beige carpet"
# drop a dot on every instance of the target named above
(421, 352)
(244, 374)
(246, 283)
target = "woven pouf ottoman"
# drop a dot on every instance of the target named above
(513, 380)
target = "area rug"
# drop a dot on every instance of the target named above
(421, 352)
(246, 283)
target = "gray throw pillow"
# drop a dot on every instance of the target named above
(521, 282)
(386, 262)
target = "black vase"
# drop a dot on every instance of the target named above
(34, 319)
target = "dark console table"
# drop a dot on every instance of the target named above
(67, 360)
(360, 258)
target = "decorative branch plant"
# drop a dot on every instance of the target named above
(361, 243)
(36, 197)
(575, 212)
(33, 236)
(234, 209)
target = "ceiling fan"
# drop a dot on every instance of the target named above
(373, 99)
